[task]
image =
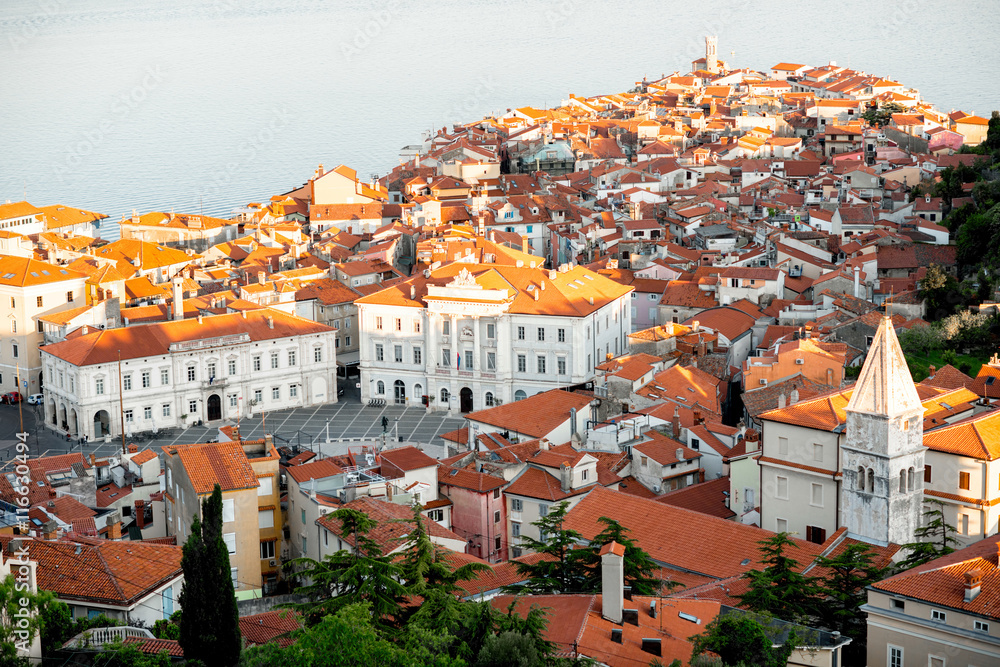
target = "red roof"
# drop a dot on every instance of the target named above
(262, 628)
(314, 470)
(535, 416)
(407, 458)
(222, 463)
(707, 498)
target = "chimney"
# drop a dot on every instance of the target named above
(794, 396)
(93, 460)
(612, 581)
(115, 526)
(133, 448)
(86, 330)
(973, 581)
(781, 400)
(695, 326)
(413, 292)
(543, 445)
(199, 319)
(679, 453)
(139, 514)
(932, 370)
(270, 322)
(676, 423)
(260, 277)
(566, 477)
(178, 284)
(268, 442)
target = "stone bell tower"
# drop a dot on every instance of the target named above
(711, 54)
(883, 458)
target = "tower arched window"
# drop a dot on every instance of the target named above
(861, 478)
(910, 479)
(871, 481)
(902, 481)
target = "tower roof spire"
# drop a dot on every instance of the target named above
(885, 386)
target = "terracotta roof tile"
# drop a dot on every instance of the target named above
(391, 528)
(265, 627)
(303, 472)
(406, 459)
(468, 479)
(150, 646)
(223, 463)
(535, 416)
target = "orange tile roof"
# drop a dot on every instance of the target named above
(223, 463)
(69, 509)
(57, 216)
(535, 416)
(313, 470)
(664, 532)
(978, 437)
(143, 456)
(265, 627)
(150, 646)
(107, 572)
(707, 498)
(537, 483)
(150, 255)
(389, 532)
(102, 346)
(26, 272)
(663, 450)
(407, 458)
(109, 494)
(468, 479)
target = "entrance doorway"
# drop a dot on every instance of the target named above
(214, 407)
(465, 399)
(400, 392)
(101, 424)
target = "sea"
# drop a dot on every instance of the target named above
(202, 106)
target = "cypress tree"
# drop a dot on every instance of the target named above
(210, 629)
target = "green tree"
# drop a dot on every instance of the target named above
(939, 289)
(780, 589)
(978, 240)
(740, 640)
(565, 570)
(842, 592)
(209, 628)
(121, 655)
(993, 132)
(921, 341)
(168, 628)
(880, 116)
(639, 567)
(21, 618)
(934, 539)
(508, 649)
(361, 575)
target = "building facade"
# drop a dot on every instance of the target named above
(170, 374)
(470, 336)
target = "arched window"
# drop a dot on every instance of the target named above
(871, 481)
(902, 481)
(380, 387)
(909, 476)
(418, 391)
(489, 399)
(445, 395)
(861, 478)
(519, 395)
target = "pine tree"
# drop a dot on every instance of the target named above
(210, 629)
(639, 567)
(565, 571)
(780, 589)
(934, 538)
(842, 592)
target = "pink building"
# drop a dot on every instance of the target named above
(478, 511)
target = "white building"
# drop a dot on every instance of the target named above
(470, 336)
(173, 373)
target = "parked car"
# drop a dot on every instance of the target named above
(36, 399)
(11, 397)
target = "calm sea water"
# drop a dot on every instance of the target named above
(114, 105)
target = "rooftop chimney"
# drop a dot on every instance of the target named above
(270, 322)
(612, 581)
(565, 477)
(679, 453)
(781, 400)
(973, 581)
(178, 305)
(932, 370)
(543, 445)
(676, 423)
(794, 397)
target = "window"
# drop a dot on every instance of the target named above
(13, 328)
(522, 363)
(963, 481)
(267, 550)
(780, 526)
(265, 519)
(276, 393)
(317, 354)
(145, 379)
(898, 604)
(782, 488)
(418, 356)
(445, 395)
(541, 364)
(815, 534)
(644, 461)
(695, 443)
(982, 626)
(38, 301)
(274, 360)
(496, 543)
(515, 552)
(491, 331)
(233, 573)
(258, 396)
(561, 365)
(232, 366)
(398, 353)
(166, 409)
(293, 391)
(193, 407)
(416, 326)
(446, 357)
(816, 498)
(489, 399)
(927, 473)
(541, 334)
(129, 417)
(399, 324)
(496, 493)
(491, 361)
(446, 327)
(228, 510)
(230, 540)
(164, 376)
(561, 335)
(515, 529)
(190, 374)
(379, 352)
(817, 452)
(496, 516)
(378, 327)
(233, 400)
(516, 505)
(543, 509)
(520, 333)
(147, 413)
(127, 383)
(99, 386)
(256, 362)
(583, 475)
(468, 360)
(782, 445)
(380, 387)
(347, 341)
(938, 615)
(963, 524)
